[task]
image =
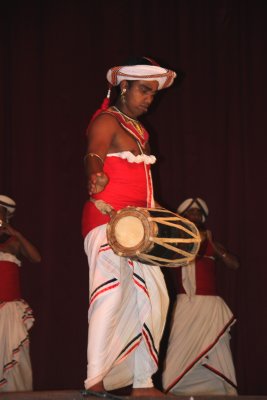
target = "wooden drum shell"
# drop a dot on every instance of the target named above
(153, 236)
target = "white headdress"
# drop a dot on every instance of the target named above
(194, 203)
(8, 203)
(165, 77)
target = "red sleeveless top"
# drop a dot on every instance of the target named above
(129, 182)
(9, 278)
(127, 187)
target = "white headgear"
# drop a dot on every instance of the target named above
(194, 203)
(8, 203)
(165, 77)
(141, 68)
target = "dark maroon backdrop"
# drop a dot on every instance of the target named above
(208, 134)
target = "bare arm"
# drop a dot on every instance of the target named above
(101, 134)
(26, 249)
(224, 255)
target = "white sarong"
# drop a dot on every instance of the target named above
(199, 359)
(127, 313)
(15, 366)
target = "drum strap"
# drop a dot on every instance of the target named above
(150, 195)
(140, 147)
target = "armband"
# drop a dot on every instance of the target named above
(93, 155)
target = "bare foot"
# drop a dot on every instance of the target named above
(151, 392)
(98, 387)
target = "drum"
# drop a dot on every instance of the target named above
(153, 236)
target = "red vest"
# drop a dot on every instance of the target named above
(9, 278)
(128, 184)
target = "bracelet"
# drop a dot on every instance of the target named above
(93, 155)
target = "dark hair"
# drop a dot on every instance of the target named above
(140, 61)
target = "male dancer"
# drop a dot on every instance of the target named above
(128, 300)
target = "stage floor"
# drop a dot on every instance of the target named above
(81, 395)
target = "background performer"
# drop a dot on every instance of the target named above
(15, 314)
(199, 360)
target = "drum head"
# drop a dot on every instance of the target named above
(130, 230)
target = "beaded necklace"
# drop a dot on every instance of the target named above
(138, 126)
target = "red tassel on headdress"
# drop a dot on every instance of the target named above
(104, 105)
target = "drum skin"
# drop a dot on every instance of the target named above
(154, 236)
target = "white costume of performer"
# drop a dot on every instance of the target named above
(15, 321)
(135, 296)
(199, 360)
(127, 312)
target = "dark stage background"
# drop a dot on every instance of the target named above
(207, 131)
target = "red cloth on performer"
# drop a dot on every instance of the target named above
(205, 272)
(9, 281)
(127, 187)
